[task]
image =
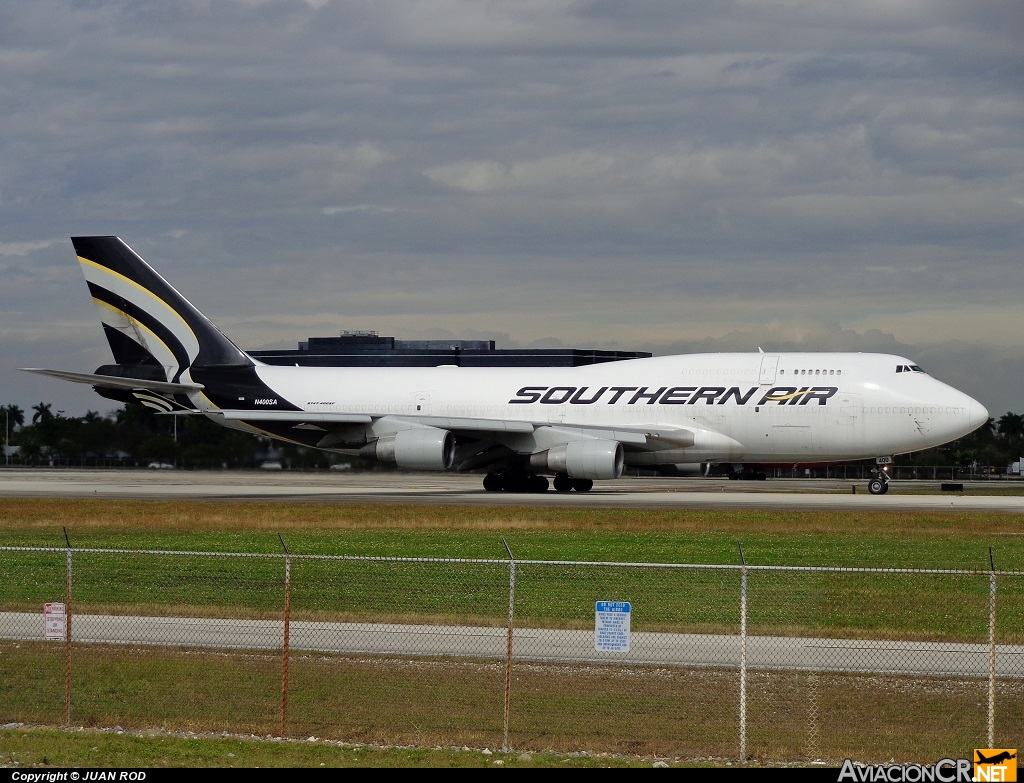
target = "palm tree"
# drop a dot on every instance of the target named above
(13, 417)
(42, 413)
(1011, 427)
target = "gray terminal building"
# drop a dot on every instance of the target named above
(368, 349)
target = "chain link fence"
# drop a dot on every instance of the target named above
(672, 660)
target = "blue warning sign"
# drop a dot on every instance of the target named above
(611, 626)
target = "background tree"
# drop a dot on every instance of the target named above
(43, 413)
(1011, 431)
(14, 417)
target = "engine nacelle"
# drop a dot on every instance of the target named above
(587, 459)
(426, 448)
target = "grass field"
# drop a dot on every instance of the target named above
(781, 538)
(769, 537)
(34, 746)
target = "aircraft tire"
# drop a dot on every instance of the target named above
(583, 485)
(537, 483)
(516, 482)
(563, 483)
(877, 487)
(492, 482)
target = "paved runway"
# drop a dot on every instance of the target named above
(463, 489)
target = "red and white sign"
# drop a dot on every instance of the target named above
(55, 621)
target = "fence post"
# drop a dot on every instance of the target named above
(287, 631)
(67, 634)
(991, 649)
(508, 651)
(743, 655)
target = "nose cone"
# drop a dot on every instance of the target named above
(956, 414)
(977, 415)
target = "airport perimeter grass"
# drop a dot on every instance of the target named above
(946, 540)
(894, 605)
(235, 587)
(896, 539)
(34, 747)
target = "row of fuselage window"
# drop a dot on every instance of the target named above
(813, 372)
(922, 409)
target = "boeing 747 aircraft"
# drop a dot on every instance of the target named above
(674, 414)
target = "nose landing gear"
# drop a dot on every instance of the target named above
(879, 483)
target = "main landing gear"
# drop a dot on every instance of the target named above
(531, 482)
(515, 482)
(879, 483)
(749, 475)
(565, 484)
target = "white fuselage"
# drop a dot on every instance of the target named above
(742, 407)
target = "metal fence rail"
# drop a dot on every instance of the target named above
(734, 660)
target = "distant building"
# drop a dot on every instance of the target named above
(368, 349)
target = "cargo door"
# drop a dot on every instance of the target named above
(769, 367)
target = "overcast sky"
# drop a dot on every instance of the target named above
(666, 176)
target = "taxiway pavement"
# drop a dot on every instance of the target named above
(466, 489)
(539, 644)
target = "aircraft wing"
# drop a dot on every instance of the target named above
(292, 417)
(637, 438)
(457, 425)
(483, 429)
(112, 382)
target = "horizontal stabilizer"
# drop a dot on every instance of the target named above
(110, 382)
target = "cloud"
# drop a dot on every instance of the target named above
(340, 210)
(644, 175)
(26, 248)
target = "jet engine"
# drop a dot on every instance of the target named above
(586, 459)
(426, 448)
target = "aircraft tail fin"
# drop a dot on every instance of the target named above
(147, 323)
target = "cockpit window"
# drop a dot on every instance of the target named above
(908, 368)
